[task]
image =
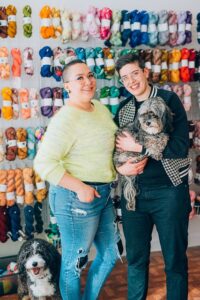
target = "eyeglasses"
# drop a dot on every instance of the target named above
(82, 78)
(127, 79)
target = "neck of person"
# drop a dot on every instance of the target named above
(85, 105)
(144, 96)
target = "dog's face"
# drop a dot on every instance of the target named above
(154, 116)
(35, 265)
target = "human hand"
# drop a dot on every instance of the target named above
(126, 142)
(130, 168)
(87, 193)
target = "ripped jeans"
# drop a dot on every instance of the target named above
(81, 225)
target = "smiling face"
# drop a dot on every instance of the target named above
(135, 80)
(80, 81)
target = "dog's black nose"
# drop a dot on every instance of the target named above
(34, 264)
(148, 123)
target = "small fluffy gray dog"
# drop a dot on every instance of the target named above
(39, 268)
(151, 129)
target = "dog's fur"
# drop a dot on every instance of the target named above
(151, 129)
(39, 268)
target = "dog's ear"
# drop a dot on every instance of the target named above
(167, 120)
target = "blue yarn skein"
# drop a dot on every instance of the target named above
(90, 58)
(31, 143)
(15, 226)
(135, 28)
(152, 29)
(144, 36)
(29, 220)
(126, 27)
(46, 55)
(80, 53)
(38, 217)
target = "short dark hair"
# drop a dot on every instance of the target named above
(129, 59)
(68, 65)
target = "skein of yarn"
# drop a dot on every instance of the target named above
(7, 109)
(17, 62)
(11, 143)
(34, 103)
(41, 190)
(15, 103)
(19, 186)
(173, 34)
(28, 176)
(46, 102)
(56, 22)
(4, 224)
(31, 143)
(3, 23)
(1, 146)
(105, 17)
(46, 55)
(27, 22)
(76, 25)
(24, 101)
(57, 99)
(11, 12)
(163, 30)
(3, 187)
(10, 192)
(29, 220)
(115, 38)
(187, 101)
(66, 26)
(22, 150)
(46, 29)
(15, 229)
(38, 217)
(4, 65)
(28, 61)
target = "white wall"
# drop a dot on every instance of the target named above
(36, 43)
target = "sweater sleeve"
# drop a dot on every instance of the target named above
(57, 142)
(178, 144)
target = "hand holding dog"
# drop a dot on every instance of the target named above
(87, 193)
(132, 169)
(126, 142)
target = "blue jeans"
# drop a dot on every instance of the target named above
(80, 225)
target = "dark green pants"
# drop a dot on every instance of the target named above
(168, 209)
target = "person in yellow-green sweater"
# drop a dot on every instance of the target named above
(75, 157)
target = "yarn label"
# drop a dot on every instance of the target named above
(181, 27)
(47, 102)
(3, 188)
(162, 27)
(66, 24)
(34, 103)
(12, 18)
(152, 28)
(105, 23)
(173, 28)
(56, 22)
(46, 61)
(21, 144)
(109, 62)
(20, 199)
(25, 105)
(57, 62)
(10, 196)
(115, 27)
(3, 60)
(29, 187)
(6, 103)
(135, 26)
(191, 64)
(27, 20)
(175, 66)
(156, 68)
(11, 143)
(184, 63)
(188, 27)
(119, 212)
(104, 101)
(164, 65)
(53, 220)
(40, 185)
(187, 99)
(28, 64)
(16, 107)
(148, 65)
(143, 28)
(90, 62)
(126, 25)
(99, 61)
(3, 23)
(46, 22)
(114, 101)
(58, 102)
(31, 145)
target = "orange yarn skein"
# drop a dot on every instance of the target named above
(11, 12)
(41, 191)
(7, 110)
(164, 66)
(17, 62)
(24, 101)
(10, 193)
(22, 150)
(28, 176)
(19, 186)
(184, 69)
(46, 29)
(3, 187)
(175, 57)
(4, 65)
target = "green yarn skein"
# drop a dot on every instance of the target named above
(27, 26)
(104, 96)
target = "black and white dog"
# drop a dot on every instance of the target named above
(39, 268)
